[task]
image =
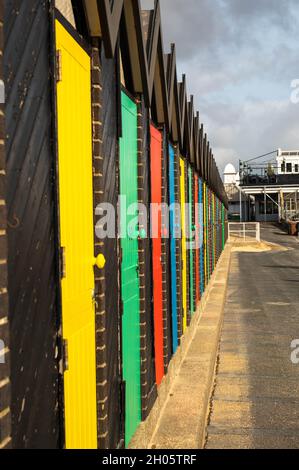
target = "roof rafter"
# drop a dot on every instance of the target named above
(154, 74)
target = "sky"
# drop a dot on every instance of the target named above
(240, 58)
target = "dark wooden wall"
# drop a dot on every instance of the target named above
(32, 278)
(178, 246)
(166, 287)
(148, 377)
(105, 146)
(5, 417)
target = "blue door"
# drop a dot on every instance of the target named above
(173, 249)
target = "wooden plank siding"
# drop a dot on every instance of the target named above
(5, 387)
(32, 263)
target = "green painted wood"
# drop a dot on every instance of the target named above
(129, 267)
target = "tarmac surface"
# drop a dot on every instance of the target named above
(178, 419)
(255, 401)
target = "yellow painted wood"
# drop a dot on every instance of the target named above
(76, 232)
(184, 244)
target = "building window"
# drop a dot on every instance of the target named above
(271, 208)
(296, 168)
(289, 168)
(283, 168)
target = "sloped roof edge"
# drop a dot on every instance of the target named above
(156, 73)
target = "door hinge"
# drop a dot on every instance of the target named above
(62, 261)
(122, 397)
(58, 65)
(65, 355)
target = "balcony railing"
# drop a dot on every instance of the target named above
(252, 179)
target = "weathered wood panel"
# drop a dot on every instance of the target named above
(5, 416)
(148, 386)
(111, 416)
(32, 276)
(166, 258)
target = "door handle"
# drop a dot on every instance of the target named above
(99, 261)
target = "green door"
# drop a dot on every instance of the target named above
(129, 267)
(191, 245)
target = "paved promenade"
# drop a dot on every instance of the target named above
(255, 403)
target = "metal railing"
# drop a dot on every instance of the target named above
(244, 231)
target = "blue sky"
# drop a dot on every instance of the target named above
(240, 57)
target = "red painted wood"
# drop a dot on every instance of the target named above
(197, 254)
(156, 198)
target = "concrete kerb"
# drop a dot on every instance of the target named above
(213, 302)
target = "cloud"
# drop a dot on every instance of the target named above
(255, 128)
(279, 11)
(240, 58)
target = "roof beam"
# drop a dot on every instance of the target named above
(152, 73)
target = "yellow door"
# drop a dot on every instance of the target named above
(77, 243)
(184, 245)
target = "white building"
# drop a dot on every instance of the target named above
(287, 162)
(274, 186)
(230, 175)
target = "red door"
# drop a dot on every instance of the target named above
(156, 222)
(197, 267)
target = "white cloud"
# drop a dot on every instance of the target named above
(240, 58)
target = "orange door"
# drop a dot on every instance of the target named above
(156, 219)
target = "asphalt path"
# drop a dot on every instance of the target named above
(255, 403)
